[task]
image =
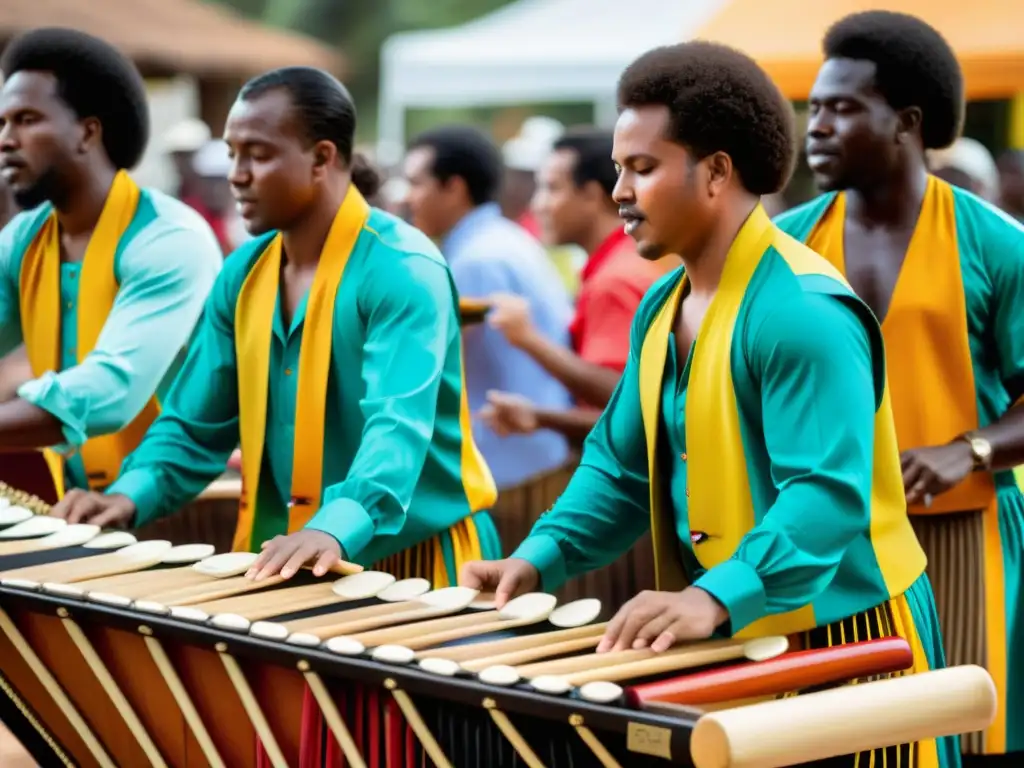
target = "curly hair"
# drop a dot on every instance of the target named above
(719, 100)
(95, 80)
(914, 67)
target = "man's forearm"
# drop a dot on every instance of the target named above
(575, 423)
(24, 426)
(587, 382)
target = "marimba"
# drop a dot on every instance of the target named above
(115, 652)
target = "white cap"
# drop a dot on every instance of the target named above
(526, 150)
(187, 136)
(968, 156)
(212, 160)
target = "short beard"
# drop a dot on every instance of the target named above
(47, 188)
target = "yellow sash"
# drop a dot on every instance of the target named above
(933, 391)
(925, 330)
(720, 501)
(97, 291)
(254, 319)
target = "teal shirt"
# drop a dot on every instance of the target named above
(393, 443)
(807, 403)
(991, 250)
(165, 265)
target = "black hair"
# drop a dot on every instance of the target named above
(463, 151)
(593, 150)
(94, 79)
(719, 100)
(914, 67)
(327, 113)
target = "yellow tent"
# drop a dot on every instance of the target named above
(784, 36)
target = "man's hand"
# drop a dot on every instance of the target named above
(506, 578)
(510, 314)
(927, 472)
(287, 554)
(661, 619)
(100, 509)
(509, 414)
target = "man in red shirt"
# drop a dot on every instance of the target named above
(574, 206)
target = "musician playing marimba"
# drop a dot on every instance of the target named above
(331, 347)
(755, 395)
(101, 281)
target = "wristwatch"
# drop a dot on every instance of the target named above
(981, 450)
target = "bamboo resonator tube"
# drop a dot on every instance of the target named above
(846, 720)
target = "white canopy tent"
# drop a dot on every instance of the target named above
(529, 51)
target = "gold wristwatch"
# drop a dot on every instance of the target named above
(981, 450)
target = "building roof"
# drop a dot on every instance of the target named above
(174, 36)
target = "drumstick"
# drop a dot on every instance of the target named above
(535, 608)
(646, 662)
(546, 651)
(789, 672)
(213, 589)
(138, 584)
(665, 661)
(259, 606)
(846, 720)
(440, 602)
(712, 650)
(522, 611)
(473, 652)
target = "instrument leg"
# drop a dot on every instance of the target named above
(512, 734)
(604, 757)
(419, 727)
(121, 703)
(54, 690)
(180, 694)
(332, 717)
(252, 707)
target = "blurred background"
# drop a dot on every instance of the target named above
(521, 72)
(413, 64)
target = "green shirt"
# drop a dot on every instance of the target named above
(165, 265)
(808, 375)
(990, 246)
(393, 443)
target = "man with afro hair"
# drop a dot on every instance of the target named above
(751, 428)
(944, 272)
(103, 282)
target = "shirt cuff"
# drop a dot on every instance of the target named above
(739, 589)
(348, 522)
(47, 393)
(143, 489)
(544, 554)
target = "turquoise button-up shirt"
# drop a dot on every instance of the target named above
(166, 264)
(394, 447)
(807, 402)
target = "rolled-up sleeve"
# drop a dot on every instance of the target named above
(187, 447)
(165, 279)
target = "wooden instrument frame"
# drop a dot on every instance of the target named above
(283, 669)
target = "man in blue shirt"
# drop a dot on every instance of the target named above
(454, 175)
